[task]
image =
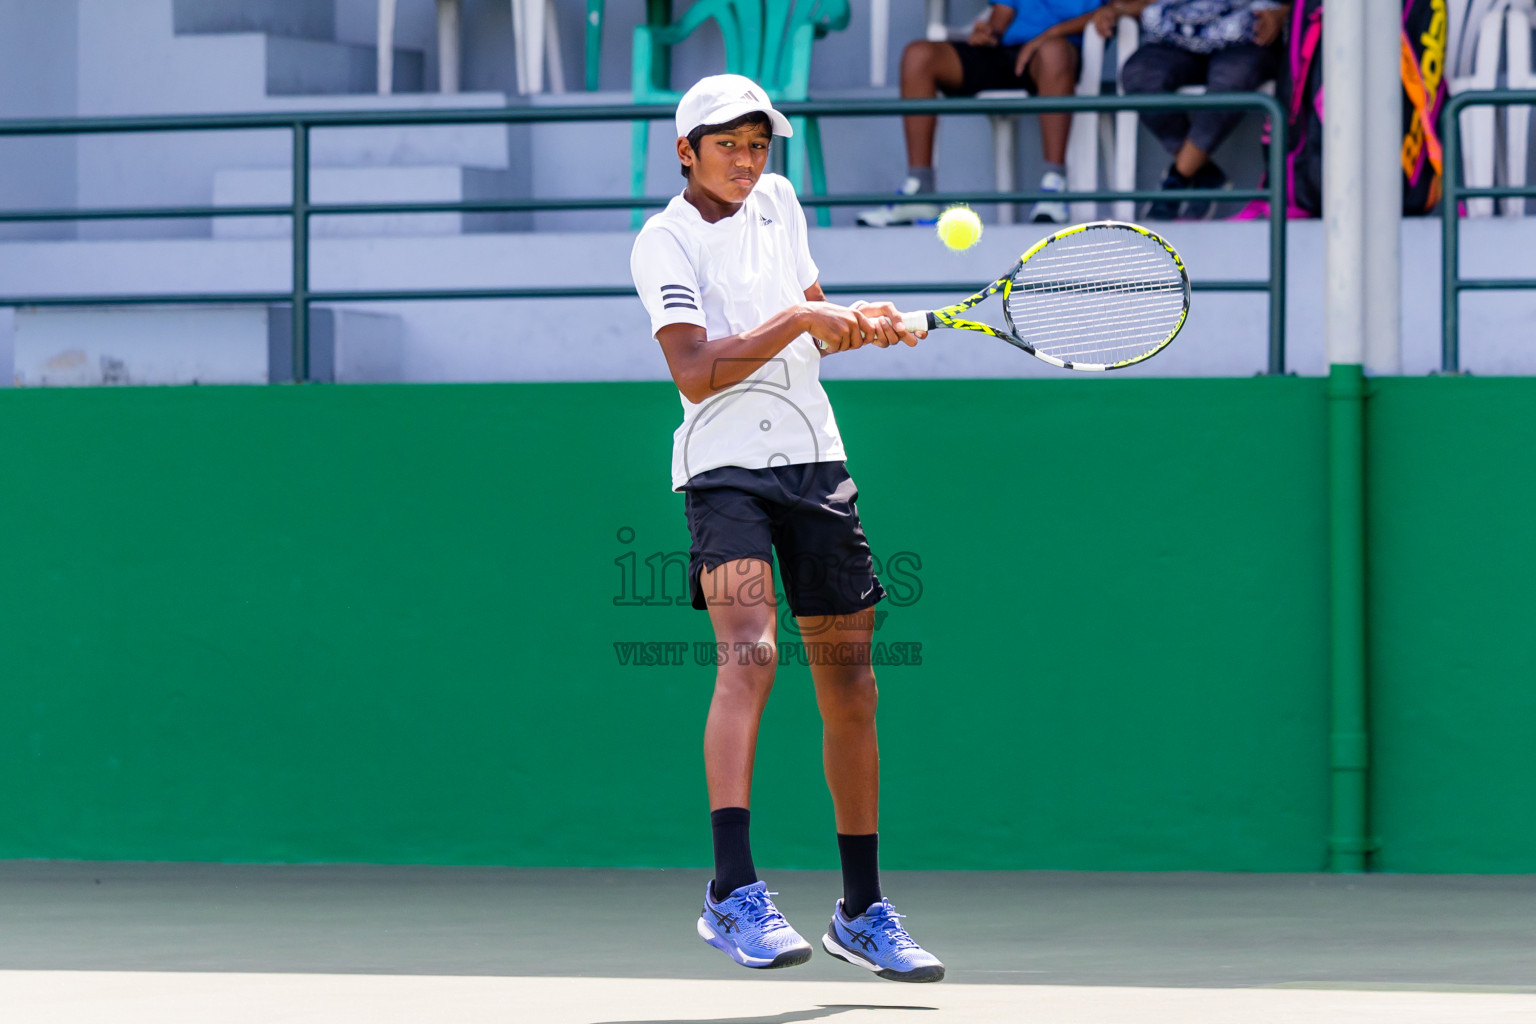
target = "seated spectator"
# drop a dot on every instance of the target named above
(1225, 45)
(1017, 44)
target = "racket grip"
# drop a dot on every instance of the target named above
(918, 321)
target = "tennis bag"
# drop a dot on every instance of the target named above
(1425, 33)
(1424, 91)
(1301, 92)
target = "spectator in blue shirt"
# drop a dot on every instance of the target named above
(1016, 44)
(1225, 45)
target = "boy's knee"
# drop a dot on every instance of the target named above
(748, 664)
(1054, 68)
(1144, 77)
(919, 56)
(853, 698)
(743, 688)
(1235, 77)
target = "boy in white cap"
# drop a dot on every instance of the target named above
(727, 277)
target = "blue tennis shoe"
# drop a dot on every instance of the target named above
(876, 941)
(748, 928)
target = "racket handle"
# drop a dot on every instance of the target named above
(918, 321)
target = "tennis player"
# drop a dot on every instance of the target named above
(727, 277)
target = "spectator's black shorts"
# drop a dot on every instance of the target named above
(806, 512)
(989, 67)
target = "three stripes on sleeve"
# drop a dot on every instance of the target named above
(676, 296)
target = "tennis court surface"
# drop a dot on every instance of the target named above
(180, 943)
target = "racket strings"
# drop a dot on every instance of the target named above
(1105, 295)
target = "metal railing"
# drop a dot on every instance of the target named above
(300, 209)
(1452, 284)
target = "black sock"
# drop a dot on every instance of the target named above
(733, 854)
(861, 871)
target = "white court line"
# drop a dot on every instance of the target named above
(136, 997)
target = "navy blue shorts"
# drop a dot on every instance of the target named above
(990, 67)
(806, 512)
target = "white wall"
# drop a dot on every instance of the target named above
(609, 339)
(37, 79)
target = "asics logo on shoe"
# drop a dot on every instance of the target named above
(726, 922)
(864, 940)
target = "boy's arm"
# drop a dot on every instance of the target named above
(886, 318)
(1269, 20)
(1106, 17)
(701, 366)
(989, 28)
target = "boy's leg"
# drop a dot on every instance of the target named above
(865, 929)
(826, 565)
(739, 917)
(837, 647)
(1160, 68)
(926, 67)
(742, 610)
(1240, 68)
(1054, 71)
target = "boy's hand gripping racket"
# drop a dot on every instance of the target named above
(1095, 296)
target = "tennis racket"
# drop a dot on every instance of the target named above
(1096, 296)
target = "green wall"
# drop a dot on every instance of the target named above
(379, 624)
(1452, 489)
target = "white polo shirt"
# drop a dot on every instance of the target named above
(728, 277)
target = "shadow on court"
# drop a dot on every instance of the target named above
(787, 1017)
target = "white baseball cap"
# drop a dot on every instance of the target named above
(722, 98)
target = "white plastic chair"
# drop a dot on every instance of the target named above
(1519, 20)
(447, 46)
(1480, 35)
(536, 34)
(938, 21)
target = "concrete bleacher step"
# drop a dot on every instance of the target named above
(233, 344)
(310, 67)
(470, 145)
(442, 183)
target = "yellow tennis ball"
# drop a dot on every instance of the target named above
(959, 227)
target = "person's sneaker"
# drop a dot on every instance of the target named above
(748, 928)
(1050, 211)
(901, 213)
(876, 941)
(1168, 209)
(1208, 176)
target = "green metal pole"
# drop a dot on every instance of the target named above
(1450, 238)
(300, 252)
(1348, 841)
(1277, 227)
(594, 42)
(658, 13)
